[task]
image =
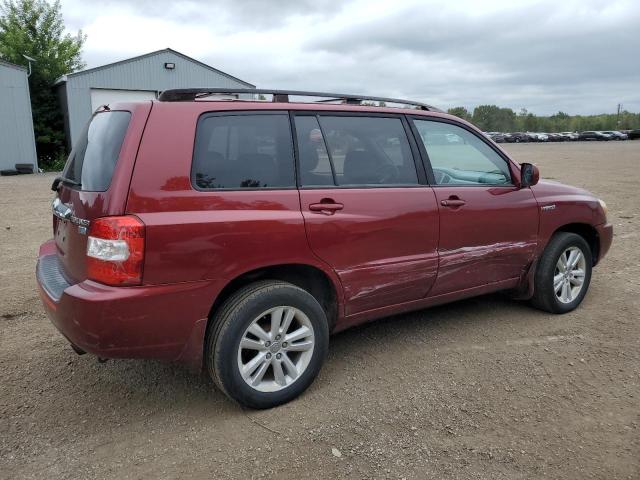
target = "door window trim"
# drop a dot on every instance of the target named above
(421, 174)
(427, 162)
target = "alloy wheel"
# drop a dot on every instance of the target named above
(568, 278)
(275, 349)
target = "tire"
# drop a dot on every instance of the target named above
(247, 308)
(545, 296)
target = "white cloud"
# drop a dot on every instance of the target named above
(575, 56)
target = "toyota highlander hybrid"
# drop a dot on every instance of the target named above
(236, 235)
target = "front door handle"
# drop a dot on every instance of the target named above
(326, 206)
(453, 202)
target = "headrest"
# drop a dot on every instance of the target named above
(358, 168)
(309, 158)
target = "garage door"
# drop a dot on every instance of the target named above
(103, 96)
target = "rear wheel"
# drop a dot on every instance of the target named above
(268, 343)
(563, 274)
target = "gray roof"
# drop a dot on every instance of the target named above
(133, 59)
(12, 65)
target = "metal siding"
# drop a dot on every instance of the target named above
(146, 73)
(17, 142)
(61, 91)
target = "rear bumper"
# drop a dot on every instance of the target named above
(165, 322)
(605, 235)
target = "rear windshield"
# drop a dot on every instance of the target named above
(95, 154)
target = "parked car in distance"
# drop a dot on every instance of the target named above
(555, 137)
(532, 137)
(236, 236)
(616, 135)
(594, 135)
(538, 137)
(634, 134)
(573, 136)
(516, 137)
(496, 137)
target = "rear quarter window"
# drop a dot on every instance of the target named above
(243, 151)
(94, 156)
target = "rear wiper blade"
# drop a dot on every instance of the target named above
(61, 179)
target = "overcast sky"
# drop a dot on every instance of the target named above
(575, 56)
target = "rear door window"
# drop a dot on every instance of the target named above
(368, 150)
(94, 157)
(243, 151)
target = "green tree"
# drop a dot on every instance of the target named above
(526, 121)
(507, 120)
(484, 116)
(36, 28)
(492, 118)
(628, 120)
(530, 123)
(559, 122)
(460, 112)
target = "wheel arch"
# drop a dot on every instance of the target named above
(321, 285)
(586, 231)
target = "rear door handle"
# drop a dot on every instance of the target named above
(453, 202)
(325, 206)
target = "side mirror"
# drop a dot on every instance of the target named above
(529, 175)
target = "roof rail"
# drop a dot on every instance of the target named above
(190, 94)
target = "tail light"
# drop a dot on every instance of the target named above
(115, 250)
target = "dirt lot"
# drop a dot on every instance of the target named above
(486, 388)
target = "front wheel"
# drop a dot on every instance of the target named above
(563, 274)
(267, 344)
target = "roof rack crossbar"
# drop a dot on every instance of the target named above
(282, 96)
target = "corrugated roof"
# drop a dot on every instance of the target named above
(12, 65)
(133, 59)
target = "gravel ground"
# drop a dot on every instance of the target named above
(484, 388)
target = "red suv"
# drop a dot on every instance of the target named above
(237, 235)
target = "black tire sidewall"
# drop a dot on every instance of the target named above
(544, 283)
(226, 346)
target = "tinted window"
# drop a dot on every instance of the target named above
(96, 153)
(369, 150)
(459, 157)
(313, 159)
(244, 151)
